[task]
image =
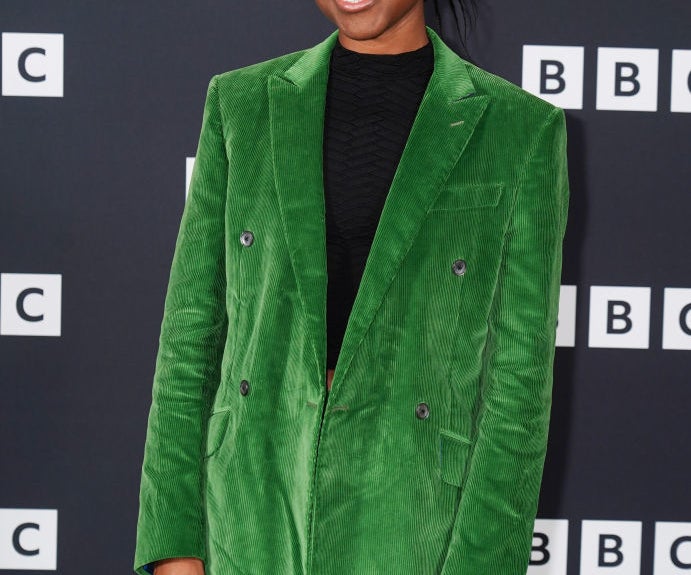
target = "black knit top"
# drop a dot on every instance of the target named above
(371, 102)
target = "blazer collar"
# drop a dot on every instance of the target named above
(450, 69)
(445, 121)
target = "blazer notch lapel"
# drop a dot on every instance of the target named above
(296, 107)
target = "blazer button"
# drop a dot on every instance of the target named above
(459, 267)
(422, 410)
(244, 387)
(246, 238)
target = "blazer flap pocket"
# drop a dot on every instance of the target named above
(216, 430)
(467, 196)
(453, 456)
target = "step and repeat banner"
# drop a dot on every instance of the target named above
(100, 111)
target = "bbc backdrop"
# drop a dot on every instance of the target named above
(100, 111)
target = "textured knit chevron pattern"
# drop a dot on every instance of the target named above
(371, 102)
(249, 464)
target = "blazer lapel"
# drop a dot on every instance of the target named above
(445, 121)
(296, 106)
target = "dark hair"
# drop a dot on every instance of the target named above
(463, 13)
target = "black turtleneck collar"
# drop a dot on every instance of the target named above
(405, 64)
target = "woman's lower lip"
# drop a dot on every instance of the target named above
(353, 5)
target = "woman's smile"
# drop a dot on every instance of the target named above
(353, 5)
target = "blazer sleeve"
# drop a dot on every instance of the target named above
(171, 521)
(492, 534)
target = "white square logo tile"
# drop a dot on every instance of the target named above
(612, 547)
(189, 167)
(28, 539)
(555, 74)
(681, 85)
(627, 79)
(32, 64)
(566, 325)
(676, 323)
(30, 304)
(549, 552)
(672, 548)
(619, 317)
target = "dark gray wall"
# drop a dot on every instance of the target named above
(92, 189)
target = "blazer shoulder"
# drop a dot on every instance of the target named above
(247, 79)
(509, 99)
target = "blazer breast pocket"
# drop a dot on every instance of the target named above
(457, 196)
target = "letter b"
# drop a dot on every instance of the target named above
(611, 547)
(619, 317)
(548, 555)
(555, 74)
(627, 79)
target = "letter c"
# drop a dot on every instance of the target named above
(20, 304)
(674, 552)
(684, 319)
(22, 64)
(15, 538)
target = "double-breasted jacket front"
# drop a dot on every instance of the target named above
(426, 456)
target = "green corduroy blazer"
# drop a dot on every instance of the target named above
(426, 456)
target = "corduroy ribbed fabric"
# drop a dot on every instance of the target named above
(248, 463)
